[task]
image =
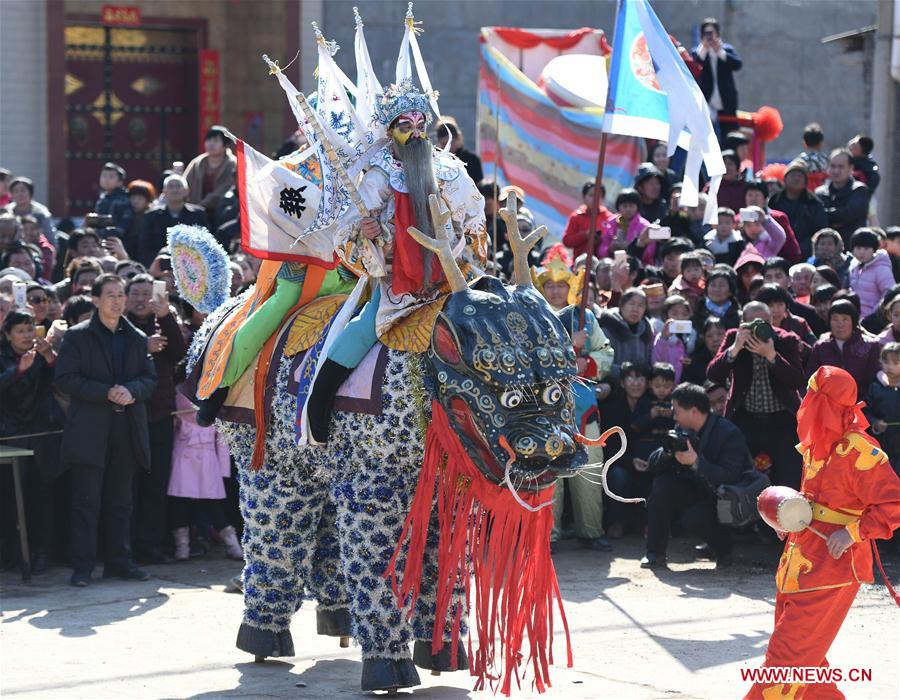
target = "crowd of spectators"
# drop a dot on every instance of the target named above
(712, 332)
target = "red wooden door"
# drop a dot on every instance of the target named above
(131, 98)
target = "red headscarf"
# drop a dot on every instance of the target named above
(829, 410)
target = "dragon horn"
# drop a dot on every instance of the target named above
(440, 244)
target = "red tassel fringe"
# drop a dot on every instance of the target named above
(486, 536)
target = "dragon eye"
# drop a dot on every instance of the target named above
(511, 399)
(552, 394)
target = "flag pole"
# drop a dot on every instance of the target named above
(592, 231)
(496, 169)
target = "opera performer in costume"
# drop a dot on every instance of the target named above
(855, 498)
(594, 356)
(405, 300)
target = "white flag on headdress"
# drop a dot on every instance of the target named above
(404, 70)
(280, 203)
(367, 84)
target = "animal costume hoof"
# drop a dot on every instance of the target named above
(262, 643)
(389, 674)
(333, 623)
(443, 660)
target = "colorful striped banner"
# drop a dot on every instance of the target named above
(548, 150)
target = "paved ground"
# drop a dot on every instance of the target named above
(685, 633)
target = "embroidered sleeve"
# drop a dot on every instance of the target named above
(356, 251)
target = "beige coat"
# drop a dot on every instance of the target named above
(195, 172)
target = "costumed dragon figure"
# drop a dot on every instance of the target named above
(404, 433)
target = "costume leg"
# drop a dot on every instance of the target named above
(805, 627)
(326, 581)
(349, 349)
(280, 508)
(247, 343)
(257, 329)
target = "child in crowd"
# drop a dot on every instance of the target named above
(200, 462)
(722, 240)
(653, 413)
(870, 271)
(113, 199)
(672, 345)
(626, 226)
(690, 283)
(865, 169)
(883, 404)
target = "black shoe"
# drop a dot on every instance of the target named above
(209, 408)
(80, 580)
(154, 556)
(723, 561)
(321, 399)
(651, 561)
(132, 573)
(704, 551)
(598, 544)
(39, 562)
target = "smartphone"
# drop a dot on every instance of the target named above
(660, 233)
(681, 327)
(20, 297)
(40, 331)
(620, 257)
(159, 290)
(652, 291)
(165, 264)
(748, 214)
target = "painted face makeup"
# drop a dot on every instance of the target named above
(409, 125)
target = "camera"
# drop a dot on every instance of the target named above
(761, 329)
(103, 224)
(674, 441)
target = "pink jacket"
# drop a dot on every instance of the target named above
(200, 458)
(871, 280)
(635, 229)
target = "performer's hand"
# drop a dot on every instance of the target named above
(579, 338)
(581, 364)
(839, 542)
(371, 229)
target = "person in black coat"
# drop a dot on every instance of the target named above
(27, 408)
(846, 200)
(719, 61)
(686, 480)
(156, 223)
(105, 369)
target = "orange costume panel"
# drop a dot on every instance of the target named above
(851, 485)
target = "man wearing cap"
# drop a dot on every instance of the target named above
(212, 173)
(855, 499)
(805, 212)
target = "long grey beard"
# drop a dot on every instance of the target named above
(415, 156)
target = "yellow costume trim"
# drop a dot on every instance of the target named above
(777, 692)
(824, 514)
(790, 567)
(853, 530)
(869, 457)
(413, 333)
(307, 327)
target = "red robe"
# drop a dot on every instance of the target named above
(857, 485)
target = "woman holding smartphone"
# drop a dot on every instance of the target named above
(27, 407)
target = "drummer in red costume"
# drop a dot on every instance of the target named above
(855, 497)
